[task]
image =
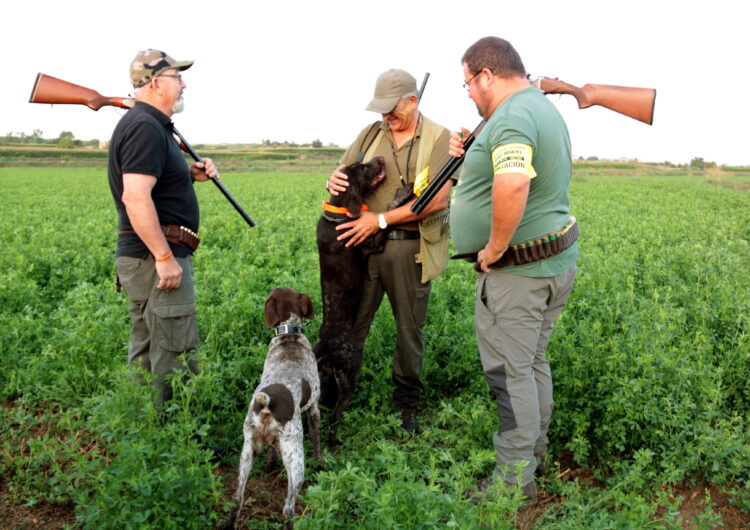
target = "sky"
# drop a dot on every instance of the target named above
(300, 71)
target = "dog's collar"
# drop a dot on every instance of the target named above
(282, 330)
(340, 209)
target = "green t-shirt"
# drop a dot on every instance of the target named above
(526, 117)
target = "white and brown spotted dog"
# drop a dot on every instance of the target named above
(288, 387)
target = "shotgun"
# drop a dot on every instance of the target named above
(48, 89)
(636, 103)
(421, 88)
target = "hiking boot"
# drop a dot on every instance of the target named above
(484, 489)
(409, 421)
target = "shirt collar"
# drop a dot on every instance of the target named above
(156, 113)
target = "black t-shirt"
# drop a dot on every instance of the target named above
(143, 143)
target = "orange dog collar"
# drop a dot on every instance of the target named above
(340, 209)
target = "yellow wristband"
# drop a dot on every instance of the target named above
(165, 257)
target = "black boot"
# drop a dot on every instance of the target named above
(409, 421)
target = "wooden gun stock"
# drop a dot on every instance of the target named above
(48, 89)
(637, 103)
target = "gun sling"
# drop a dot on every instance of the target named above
(531, 251)
(178, 235)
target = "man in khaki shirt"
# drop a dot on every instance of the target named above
(414, 149)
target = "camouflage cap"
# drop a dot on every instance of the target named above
(391, 86)
(150, 63)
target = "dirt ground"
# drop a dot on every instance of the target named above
(265, 497)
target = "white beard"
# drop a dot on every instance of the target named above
(178, 106)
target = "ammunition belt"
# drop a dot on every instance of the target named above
(178, 235)
(181, 236)
(534, 250)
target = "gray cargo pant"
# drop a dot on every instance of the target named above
(396, 273)
(165, 332)
(514, 318)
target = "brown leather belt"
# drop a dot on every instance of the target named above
(178, 235)
(532, 251)
(400, 234)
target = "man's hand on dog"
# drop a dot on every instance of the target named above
(359, 229)
(338, 182)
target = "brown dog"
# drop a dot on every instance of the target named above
(342, 272)
(288, 387)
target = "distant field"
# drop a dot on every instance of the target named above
(236, 158)
(290, 159)
(651, 361)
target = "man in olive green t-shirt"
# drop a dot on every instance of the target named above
(416, 251)
(514, 188)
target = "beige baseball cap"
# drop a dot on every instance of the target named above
(150, 63)
(391, 86)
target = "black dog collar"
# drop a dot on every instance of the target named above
(281, 330)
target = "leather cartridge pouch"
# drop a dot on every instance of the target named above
(531, 251)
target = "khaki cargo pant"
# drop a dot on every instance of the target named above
(396, 273)
(514, 318)
(165, 332)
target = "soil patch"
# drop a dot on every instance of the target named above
(41, 515)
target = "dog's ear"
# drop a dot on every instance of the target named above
(270, 314)
(306, 306)
(353, 195)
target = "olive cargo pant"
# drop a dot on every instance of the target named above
(514, 318)
(396, 273)
(164, 336)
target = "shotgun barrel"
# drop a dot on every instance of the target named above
(421, 88)
(443, 175)
(188, 149)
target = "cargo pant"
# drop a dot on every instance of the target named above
(395, 272)
(164, 336)
(514, 318)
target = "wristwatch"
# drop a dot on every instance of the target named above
(382, 222)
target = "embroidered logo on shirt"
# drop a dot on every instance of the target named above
(513, 158)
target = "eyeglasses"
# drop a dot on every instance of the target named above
(467, 84)
(175, 76)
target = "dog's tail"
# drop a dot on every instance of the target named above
(262, 407)
(263, 399)
(274, 400)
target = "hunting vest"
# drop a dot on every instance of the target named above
(434, 229)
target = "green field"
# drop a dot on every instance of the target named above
(651, 360)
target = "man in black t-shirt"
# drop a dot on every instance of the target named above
(152, 187)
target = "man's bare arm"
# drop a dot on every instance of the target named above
(136, 197)
(509, 194)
